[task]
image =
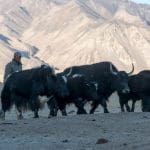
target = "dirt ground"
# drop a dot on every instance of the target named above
(115, 131)
(119, 131)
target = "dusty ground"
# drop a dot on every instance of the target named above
(121, 131)
(115, 131)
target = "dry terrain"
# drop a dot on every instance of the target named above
(83, 132)
(115, 131)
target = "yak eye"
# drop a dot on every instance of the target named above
(87, 84)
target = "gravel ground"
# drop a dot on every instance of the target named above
(115, 131)
(83, 132)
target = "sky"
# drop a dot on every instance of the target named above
(142, 1)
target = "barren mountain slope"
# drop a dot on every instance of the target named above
(74, 32)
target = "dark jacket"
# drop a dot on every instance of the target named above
(11, 67)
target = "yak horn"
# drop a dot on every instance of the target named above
(131, 70)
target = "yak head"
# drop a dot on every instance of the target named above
(119, 80)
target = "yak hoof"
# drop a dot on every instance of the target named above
(64, 113)
(84, 112)
(50, 116)
(20, 117)
(79, 112)
(37, 116)
(106, 111)
(128, 109)
(145, 110)
(2, 115)
(91, 112)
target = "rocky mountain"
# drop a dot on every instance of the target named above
(73, 32)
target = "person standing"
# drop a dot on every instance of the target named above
(13, 66)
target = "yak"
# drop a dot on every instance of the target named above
(80, 92)
(107, 77)
(24, 87)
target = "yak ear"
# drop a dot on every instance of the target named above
(48, 70)
(43, 66)
(112, 71)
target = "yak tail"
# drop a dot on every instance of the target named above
(6, 98)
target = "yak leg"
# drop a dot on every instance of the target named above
(55, 104)
(121, 104)
(104, 105)
(62, 107)
(63, 110)
(133, 105)
(94, 105)
(36, 108)
(145, 104)
(34, 100)
(52, 105)
(123, 100)
(80, 106)
(18, 103)
(127, 107)
(2, 114)
(19, 113)
(35, 104)
(5, 104)
(36, 115)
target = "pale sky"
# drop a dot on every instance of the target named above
(142, 1)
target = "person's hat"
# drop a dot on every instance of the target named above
(17, 54)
